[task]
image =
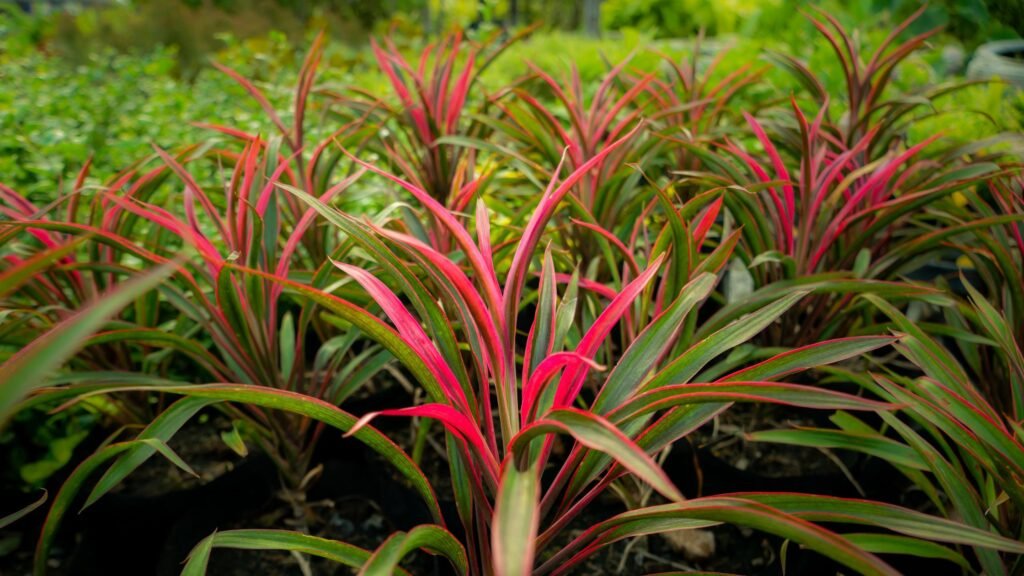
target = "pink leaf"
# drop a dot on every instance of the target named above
(572, 380)
(545, 371)
(411, 331)
(455, 421)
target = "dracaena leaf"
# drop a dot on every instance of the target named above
(454, 420)
(810, 356)
(537, 385)
(888, 516)
(516, 517)
(532, 233)
(597, 433)
(687, 365)
(333, 550)
(895, 544)
(13, 517)
(424, 302)
(701, 512)
(436, 539)
(540, 341)
(881, 447)
(162, 428)
(71, 487)
(29, 368)
(411, 332)
(961, 494)
(670, 396)
(13, 277)
(265, 397)
(644, 353)
(572, 379)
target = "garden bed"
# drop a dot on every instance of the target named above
(433, 309)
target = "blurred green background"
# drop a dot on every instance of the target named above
(105, 78)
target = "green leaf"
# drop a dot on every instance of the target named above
(165, 426)
(166, 451)
(888, 516)
(332, 550)
(894, 544)
(199, 558)
(542, 332)
(287, 346)
(290, 402)
(862, 263)
(597, 433)
(59, 452)
(430, 537)
(71, 487)
(643, 354)
(13, 517)
(233, 439)
(687, 365)
(810, 356)
(516, 518)
(925, 352)
(881, 447)
(144, 337)
(32, 365)
(774, 392)
(954, 482)
(736, 509)
(841, 283)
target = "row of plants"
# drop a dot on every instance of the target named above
(105, 106)
(567, 278)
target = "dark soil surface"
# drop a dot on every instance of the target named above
(149, 524)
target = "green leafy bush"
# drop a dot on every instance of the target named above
(676, 19)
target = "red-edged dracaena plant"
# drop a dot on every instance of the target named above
(249, 324)
(231, 326)
(832, 223)
(295, 161)
(687, 234)
(872, 117)
(580, 128)
(872, 120)
(459, 339)
(615, 206)
(693, 103)
(434, 98)
(825, 189)
(35, 362)
(259, 335)
(58, 257)
(965, 455)
(134, 219)
(838, 207)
